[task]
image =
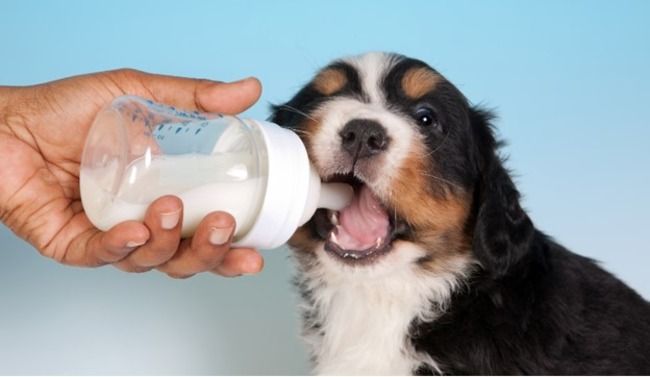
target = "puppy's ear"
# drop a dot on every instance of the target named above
(503, 231)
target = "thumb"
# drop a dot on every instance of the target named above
(230, 98)
(202, 94)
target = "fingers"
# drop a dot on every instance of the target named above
(238, 262)
(93, 248)
(161, 247)
(205, 250)
(201, 94)
(163, 219)
(120, 240)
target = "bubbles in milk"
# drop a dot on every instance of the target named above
(205, 183)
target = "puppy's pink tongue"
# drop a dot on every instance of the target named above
(362, 223)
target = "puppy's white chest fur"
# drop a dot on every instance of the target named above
(357, 319)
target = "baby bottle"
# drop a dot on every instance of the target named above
(138, 150)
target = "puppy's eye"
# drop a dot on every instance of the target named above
(425, 116)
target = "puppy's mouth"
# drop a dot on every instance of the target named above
(361, 232)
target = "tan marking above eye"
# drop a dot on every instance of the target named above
(419, 81)
(330, 81)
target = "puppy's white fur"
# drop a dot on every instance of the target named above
(372, 67)
(364, 313)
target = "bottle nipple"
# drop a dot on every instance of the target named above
(335, 196)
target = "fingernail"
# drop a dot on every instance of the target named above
(219, 236)
(170, 220)
(134, 244)
(131, 245)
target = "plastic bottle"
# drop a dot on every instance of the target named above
(138, 150)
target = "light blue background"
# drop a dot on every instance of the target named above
(570, 80)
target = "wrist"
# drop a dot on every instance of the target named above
(6, 95)
(9, 115)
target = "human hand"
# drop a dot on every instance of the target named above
(42, 133)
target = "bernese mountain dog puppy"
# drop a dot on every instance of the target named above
(435, 268)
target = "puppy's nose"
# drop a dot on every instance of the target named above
(363, 138)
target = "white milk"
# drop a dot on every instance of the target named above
(205, 183)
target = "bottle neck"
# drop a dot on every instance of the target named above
(313, 196)
(288, 184)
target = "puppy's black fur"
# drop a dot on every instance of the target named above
(534, 307)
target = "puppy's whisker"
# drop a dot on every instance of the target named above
(437, 148)
(390, 196)
(299, 112)
(394, 211)
(443, 180)
(301, 132)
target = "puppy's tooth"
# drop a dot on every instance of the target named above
(334, 217)
(379, 241)
(333, 237)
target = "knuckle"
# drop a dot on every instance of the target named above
(159, 253)
(51, 253)
(154, 255)
(201, 263)
(207, 255)
(205, 263)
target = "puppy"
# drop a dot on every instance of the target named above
(434, 268)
